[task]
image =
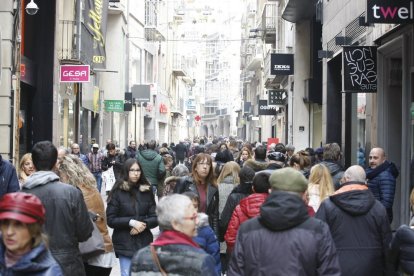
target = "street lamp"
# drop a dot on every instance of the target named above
(32, 8)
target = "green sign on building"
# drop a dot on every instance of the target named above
(114, 105)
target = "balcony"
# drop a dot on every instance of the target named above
(271, 81)
(66, 43)
(269, 22)
(179, 66)
(152, 29)
(254, 61)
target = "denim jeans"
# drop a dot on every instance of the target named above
(125, 264)
(98, 177)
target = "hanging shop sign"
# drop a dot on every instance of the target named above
(390, 11)
(265, 109)
(95, 15)
(276, 97)
(74, 73)
(141, 93)
(128, 101)
(359, 69)
(281, 64)
(114, 105)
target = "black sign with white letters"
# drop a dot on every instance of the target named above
(359, 69)
(276, 97)
(128, 102)
(265, 109)
(281, 64)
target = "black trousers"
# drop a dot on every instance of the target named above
(96, 270)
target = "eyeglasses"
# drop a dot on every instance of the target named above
(193, 217)
(202, 164)
(136, 171)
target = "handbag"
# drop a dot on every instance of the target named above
(94, 246)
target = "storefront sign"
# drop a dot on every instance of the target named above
(276, 97)
(95, 14)
(114, 105)
(128, 102)
(191, 105)
(141, 93)
(281, 64)
(359, 69)
(74, 73)
(265, 109)
(390, 11)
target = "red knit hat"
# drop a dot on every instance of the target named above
(23, 207)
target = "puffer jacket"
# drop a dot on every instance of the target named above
(67, 219)
(336, 171)
(207, 240)
(284, 240)
(152, 164)
(8, 178)
(186, 184)
(381, 182)
(128, 203)
(402, 250)
(37, 262)
(249, 207)
(360, 229)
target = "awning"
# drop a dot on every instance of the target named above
(298, 10)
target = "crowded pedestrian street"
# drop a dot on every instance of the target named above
(192, 137)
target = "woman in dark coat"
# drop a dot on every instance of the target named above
(131, 213)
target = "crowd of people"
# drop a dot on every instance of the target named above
(223, 206)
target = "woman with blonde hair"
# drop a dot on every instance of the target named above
(72, 171)
(26, 168)
(245, 154)
(320, 185)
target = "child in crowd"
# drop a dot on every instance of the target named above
(205, 238)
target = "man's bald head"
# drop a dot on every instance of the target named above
(376, 157)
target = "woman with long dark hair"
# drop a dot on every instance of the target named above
(131, 213)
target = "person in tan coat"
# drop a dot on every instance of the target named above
(73, 171)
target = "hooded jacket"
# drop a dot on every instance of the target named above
(381, 182)
(67, 219)
(249, 207)
(152, 164)
(126, 203)
(360, 229)
(37, 262)
(336, 172)
(284, 240)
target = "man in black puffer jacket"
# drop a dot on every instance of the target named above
(284, 240)
(359, 226)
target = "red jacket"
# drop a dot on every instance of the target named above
(248, 207)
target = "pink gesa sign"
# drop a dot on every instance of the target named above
(74, 73)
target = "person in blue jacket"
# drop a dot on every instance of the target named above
(206, 238)
(22, 246)
(9, 183)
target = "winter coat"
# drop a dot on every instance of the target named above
(360, 229)
(37, 262)
(180, 151)
(8, 178)
(248, 208)
(186, 184)
(130, 153)
(95, 204)
(67, 219)
(284, 242)
(152, 164)
(336, 172)
(175, 257)
(207, 240)
(232, 201)
(225, 189)
(381, 182)
(116, 161)
(402, 250)
(169, 185)
(128, 203)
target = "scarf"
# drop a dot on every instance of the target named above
(174, 237)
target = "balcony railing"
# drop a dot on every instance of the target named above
(269, 22)
(152, 14)
(66, 48)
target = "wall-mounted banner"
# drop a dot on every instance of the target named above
(359, 69)
(141, 93)
(74, 73)
(281, 64)
(265, 109)
(95, 15)
(390, 11)
(276, 97)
